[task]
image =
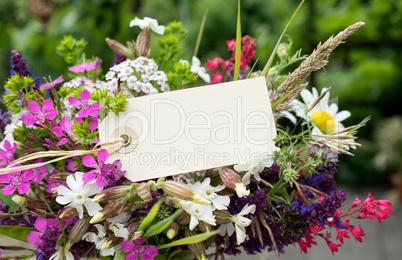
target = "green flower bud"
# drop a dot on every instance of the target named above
(290, 175)
(78, 231)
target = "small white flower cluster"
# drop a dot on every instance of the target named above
(140, 75)
(86, 83)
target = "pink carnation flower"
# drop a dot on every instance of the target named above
(16, 180)
(138, 249)
(7, 153)
(85, 66)
(38, 114)
(87, 109)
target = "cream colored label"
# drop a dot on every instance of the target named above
(193, 129)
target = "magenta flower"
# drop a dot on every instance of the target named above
(7, 153)
(39, 172)
(85, 66)
(52, 184)
(137, 249)
(63, 130)
(51, 84)
(42, 225)
(86, 108)
(37, 114)
(17, 180)
(45, 240)
(93, 123)
(90, 162)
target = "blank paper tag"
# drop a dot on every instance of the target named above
(193, 129)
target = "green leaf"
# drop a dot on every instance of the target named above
(150, 217)
(190, 240)
(162, 225)
(238, 44)
(282, 99)
(119, 255)
(197, 45)
(271, 58)
(19, 233)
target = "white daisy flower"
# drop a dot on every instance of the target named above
(148, 23)
(77, 195)
(324, 116)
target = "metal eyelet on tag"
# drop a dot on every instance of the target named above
(130, 137)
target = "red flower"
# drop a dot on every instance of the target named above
(340, 234)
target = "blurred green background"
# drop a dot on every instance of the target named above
(364, 73)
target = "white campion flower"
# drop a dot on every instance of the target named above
(120, 231)
(98, 240)
(205, 190)
(242, 222)
(198, 212)
(201, 71)
(77, 195)
(226, 229)
(60, 255)
(148, 23)
(253, 167)
(196, 68)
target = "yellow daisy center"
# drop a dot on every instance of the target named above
(324, 121)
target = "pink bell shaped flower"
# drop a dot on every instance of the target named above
(15, 179)
(137, 249)
(87, 109)
(38, 114)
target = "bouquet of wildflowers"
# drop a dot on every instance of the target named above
(74, 203)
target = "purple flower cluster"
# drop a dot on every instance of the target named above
(326, 209)
(45, 240)
(271, 174)
(4, 120)
(322, 182)
(18, 65)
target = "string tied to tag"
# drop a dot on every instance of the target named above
(112, 146)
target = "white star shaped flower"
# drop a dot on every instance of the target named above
(77, 195)
(148, 23)
(242, 222)
(198, 212)
(201, 71)
(253, 167)
(98, 240)
(205, 190)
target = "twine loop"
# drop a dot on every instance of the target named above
(113, 145)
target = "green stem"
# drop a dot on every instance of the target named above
(275, 188)
(42, 197)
